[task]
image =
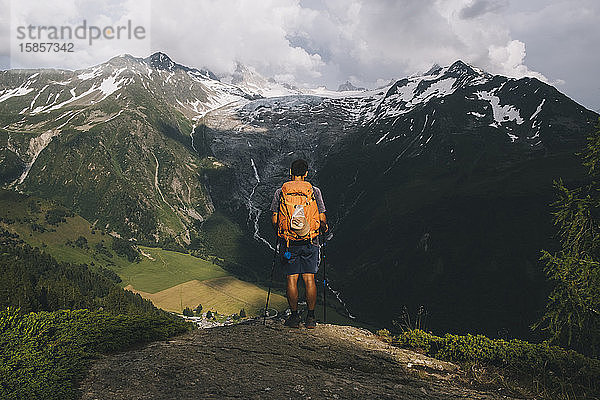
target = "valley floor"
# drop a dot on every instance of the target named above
(272, 361)
(227, 295)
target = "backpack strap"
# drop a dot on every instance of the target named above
(279, 231)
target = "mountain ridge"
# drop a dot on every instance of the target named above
(152, 154)
(86, 89)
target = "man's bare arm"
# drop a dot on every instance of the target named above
(323, 220)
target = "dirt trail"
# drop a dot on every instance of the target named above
(274, 362)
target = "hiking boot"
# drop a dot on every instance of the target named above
(310, 322)
(293, 321)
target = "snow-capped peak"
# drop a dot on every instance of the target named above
(250, 81)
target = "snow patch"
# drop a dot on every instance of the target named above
(107, 87)
(382, 138)
(148, 256)
(194, 214)
(16, 92)
(89, 75)
(192, 137)
(255, 170)
(476, 114)
(36, 97)
(408, 96)
(537, 111)
(110, 84)
(502, 113)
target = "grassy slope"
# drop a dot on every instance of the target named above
(163, 269)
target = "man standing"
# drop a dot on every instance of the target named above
(298, 218)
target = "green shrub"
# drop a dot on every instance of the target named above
(384, 335)
(35, 281)
(124, 248)
(561, 370)
(198, 310)
(55, 216)
(81, 242)
(43, 355)
(102, 249)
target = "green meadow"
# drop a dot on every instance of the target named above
(161, 269)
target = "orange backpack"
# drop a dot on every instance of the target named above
(298, 212)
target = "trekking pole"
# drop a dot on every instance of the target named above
(324, 286)
(324, 261)
(272, 269)
(271, 282)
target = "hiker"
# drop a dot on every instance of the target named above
(298, 218)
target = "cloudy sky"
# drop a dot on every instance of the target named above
(325, 43)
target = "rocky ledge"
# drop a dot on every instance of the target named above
(276, 362)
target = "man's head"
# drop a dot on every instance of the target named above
(299, 168)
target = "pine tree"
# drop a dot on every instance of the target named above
(573, 310)
(198, 310)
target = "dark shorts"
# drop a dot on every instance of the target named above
(304, 259)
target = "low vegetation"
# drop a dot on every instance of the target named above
(43, 355)
(547, 371)
(58, 215)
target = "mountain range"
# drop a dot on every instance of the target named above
(437, 186)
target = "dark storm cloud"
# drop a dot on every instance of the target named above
(369, 42)
(480, 7)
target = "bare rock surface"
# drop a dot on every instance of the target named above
(252, 361)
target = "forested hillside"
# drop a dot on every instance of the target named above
(56, 317)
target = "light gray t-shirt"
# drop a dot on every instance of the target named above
(318, 199)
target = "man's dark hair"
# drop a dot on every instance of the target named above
(299, 167)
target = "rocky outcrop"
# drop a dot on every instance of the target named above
(275, 362)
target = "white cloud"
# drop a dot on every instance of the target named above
(73, 14)
(366, 40)
(5, 28)
(509, 60)
(218, 33)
